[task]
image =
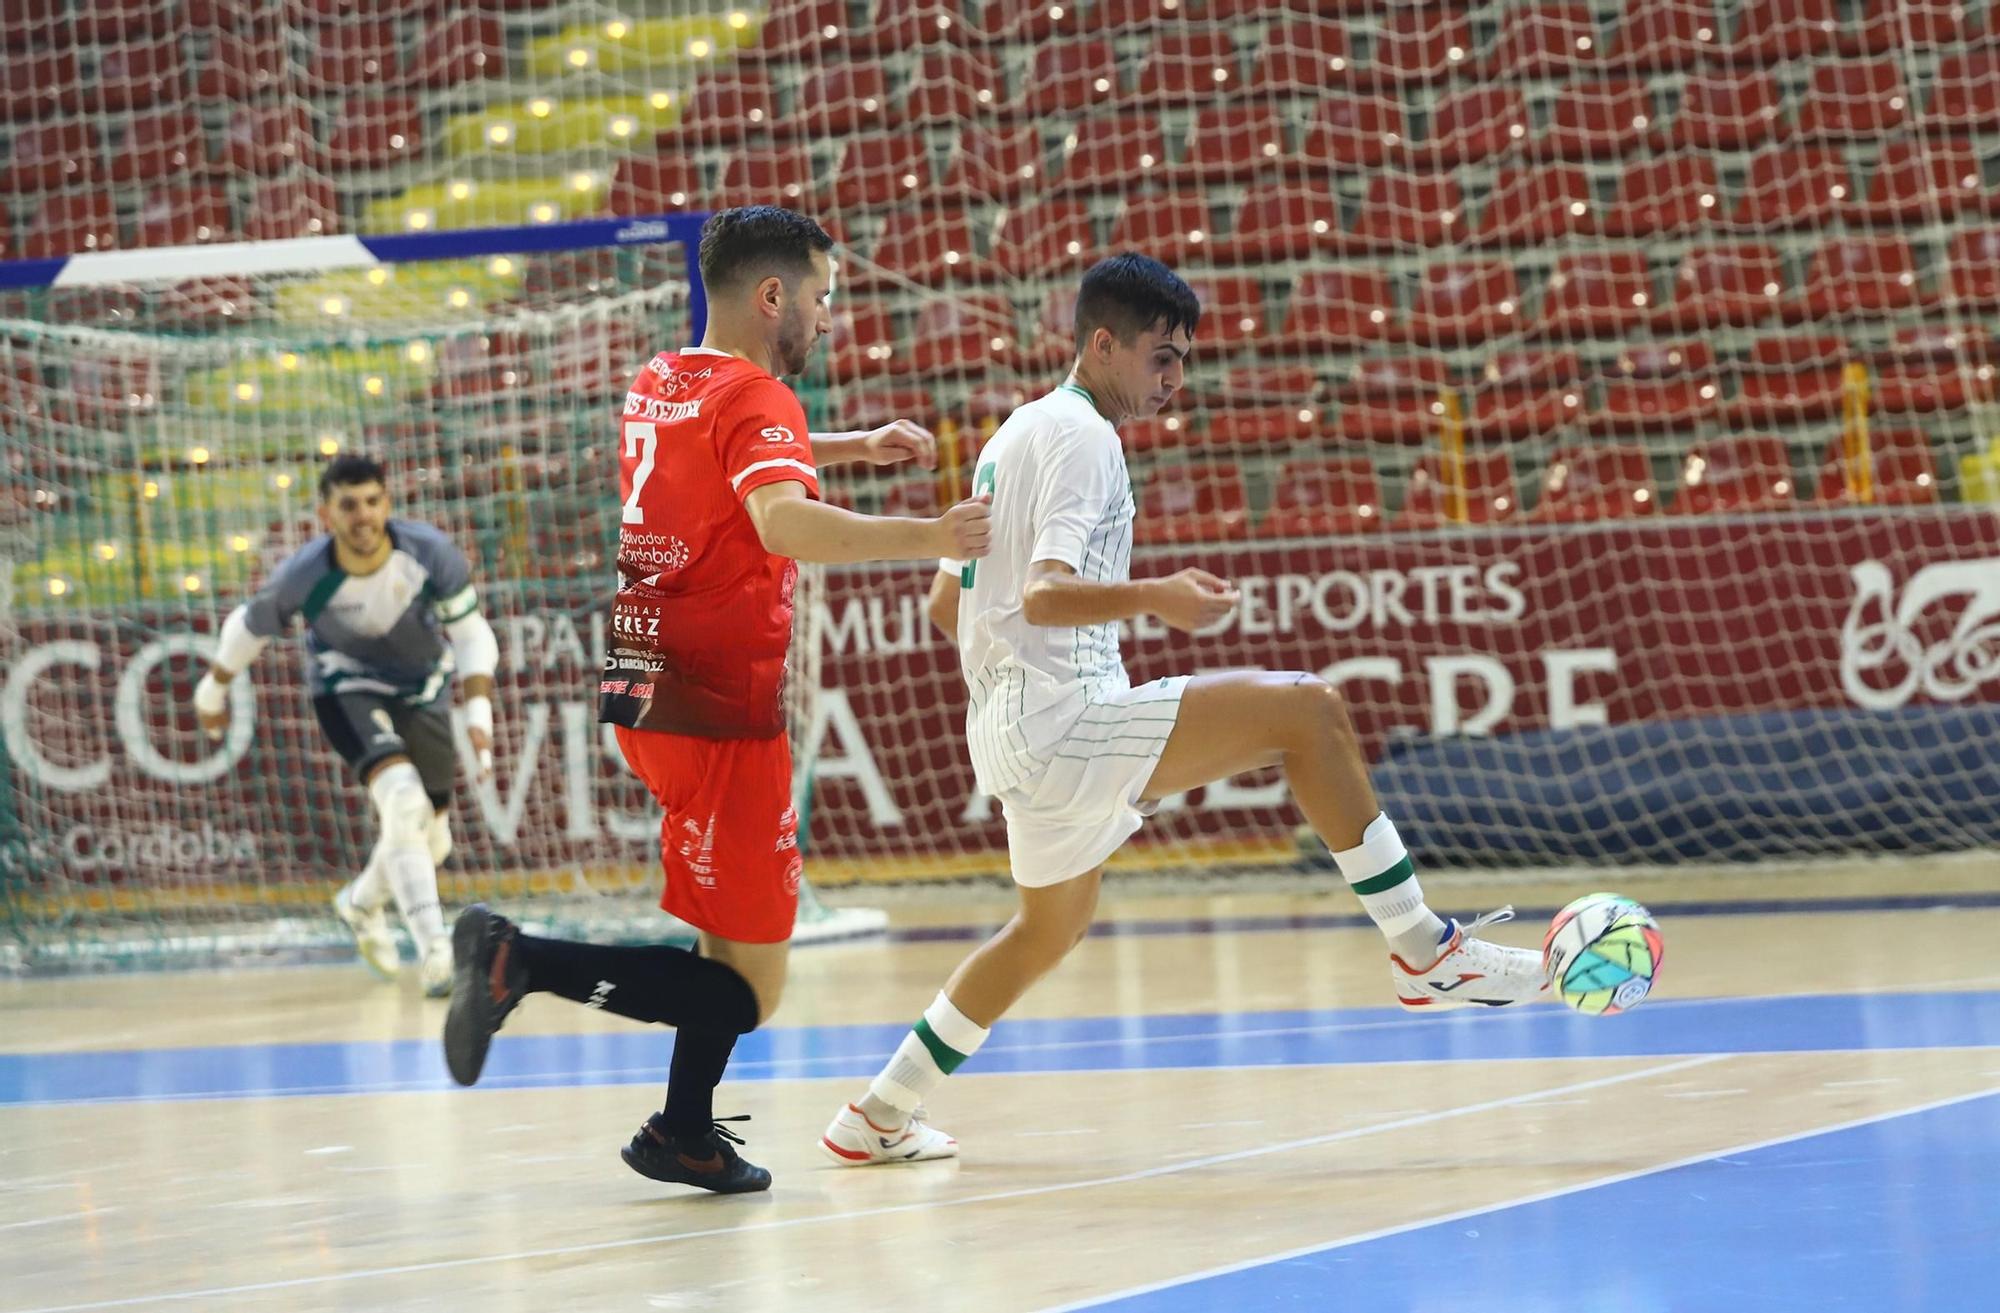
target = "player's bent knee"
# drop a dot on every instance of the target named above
(401, 805)
(1322, 706)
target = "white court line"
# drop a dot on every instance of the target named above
(1618, 1178)
(928, 1205)
(62, 1217)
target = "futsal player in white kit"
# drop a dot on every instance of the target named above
(1077, 757)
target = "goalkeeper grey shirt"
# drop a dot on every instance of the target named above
(375, 633)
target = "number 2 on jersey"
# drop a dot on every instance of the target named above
(982, 482)
(641, 440)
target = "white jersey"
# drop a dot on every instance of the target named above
(1060, 493)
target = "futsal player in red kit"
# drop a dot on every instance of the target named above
(719, 497)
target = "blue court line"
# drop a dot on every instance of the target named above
(1332, 1037)
(1894, 1214)
(1210, 925)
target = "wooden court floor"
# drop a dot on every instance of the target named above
(1212, 1106)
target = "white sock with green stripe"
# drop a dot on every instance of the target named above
(942, 1039)
(1379, 871)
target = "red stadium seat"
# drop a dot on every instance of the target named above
(292, 207)
(995, 165)
(1193, 504)
(1472, 126)
(1596, 121)
(864, 342)
(1934, 367)
(271, 139)
(1582, 483)
(1340, 310)
(961, 335)
(1303, 56)
(1135, 15)
(1767, 31)
(463, 48)
(1071, 76)
(1327, 497)
(243, 66)
(1419, 43)
(1174, 227)
(1888, 26)
(843, 98)
(725, 109)
(662, 184)
(912, 497)
(1792, 379)
(1282, 427)
(1536, 203)
(1233, 313)
(136, 75)
(1742, 474)
(1028, 22)
(1460, 305)
(1403, 210)
(373, 132)
(884, 170)
(40, 86)
(1280, 222)
(1847, 101)
(183, 216)
(796, 28)
(1477, 488)
(1659, 197)
(105, 21)
(1112, 152)
(1391, 399)
(355, 54)
(1726, 111)
(1524, 394)
(1658, 36)
(1855, 276)
(781, 175)
(1543, 41)
(1658, 387)
(1793, 188)
(43, 157)
(1900, 471)
(897, 25)
(1228, 142)
(934, 247)
(1247, 387)
(70, 223)
(1047, 236)
(1051, 340)
(874, 404)
(1972, 269)
(167, 143)
(1966, 92)
(1191, 67)
(1916, 180)
(1595, 294)
(1350, 132)
(953, 86)
(1163, 432)
(1724, 287)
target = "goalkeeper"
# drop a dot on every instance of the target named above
(390, 616)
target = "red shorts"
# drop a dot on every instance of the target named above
(730, 838)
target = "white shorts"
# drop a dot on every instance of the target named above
(1085, 804)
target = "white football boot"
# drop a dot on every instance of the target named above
(373, 938)
(854, 1141)
(438, 968)
(1471, 972)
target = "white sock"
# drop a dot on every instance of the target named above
(370, 889)
(1379, 871)
(406, 855)
(942, 1039)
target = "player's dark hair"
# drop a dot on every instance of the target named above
(752, 242)
(1130, 293)
(348, 469)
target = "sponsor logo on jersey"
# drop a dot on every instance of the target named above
(777, 433)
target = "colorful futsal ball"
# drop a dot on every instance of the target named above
(1602, 954)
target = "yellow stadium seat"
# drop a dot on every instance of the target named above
(545, 125)
(621, 46)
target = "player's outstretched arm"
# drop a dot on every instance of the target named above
(892, 444)
(235, 649)
(790, 523)
(942, 603)
(477, 652)
(1185, 600)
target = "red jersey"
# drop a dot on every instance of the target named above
(703, 616)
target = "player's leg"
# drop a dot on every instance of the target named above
(362, 902)
(1231, 723)
(884, 1126)
(426, 732)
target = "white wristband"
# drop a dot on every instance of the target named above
(211, 695)
(479, 716)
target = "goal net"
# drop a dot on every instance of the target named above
(1602, 396)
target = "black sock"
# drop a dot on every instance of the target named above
(699, 1058)
(652, 982)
